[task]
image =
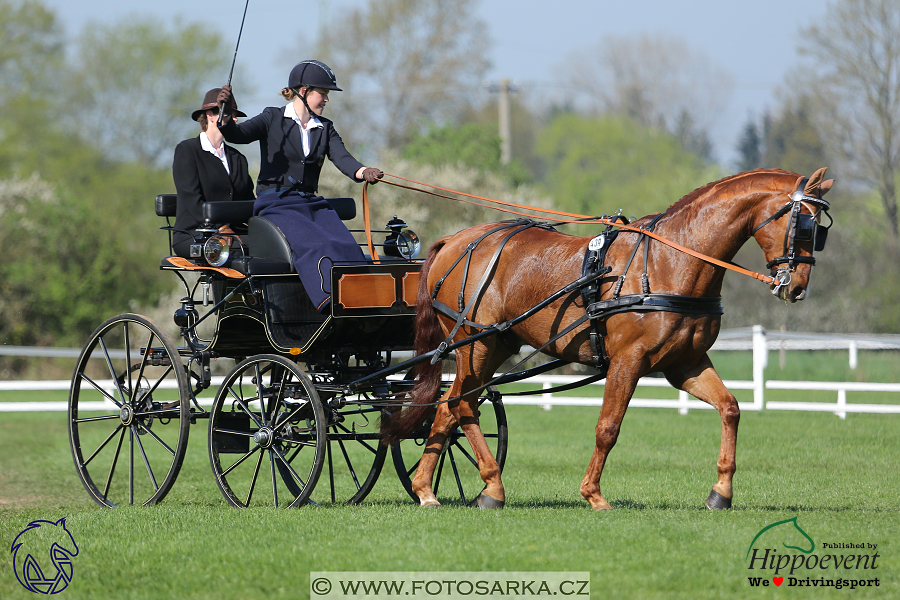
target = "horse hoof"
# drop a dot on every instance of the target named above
(487, 502)
(717, 501)
(432, 504)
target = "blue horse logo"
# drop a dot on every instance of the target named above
(54, 546)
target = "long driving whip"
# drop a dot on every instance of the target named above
(222, 116)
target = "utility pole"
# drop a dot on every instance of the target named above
(504, 89)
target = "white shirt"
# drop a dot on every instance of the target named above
(313, 122)
(218, 152)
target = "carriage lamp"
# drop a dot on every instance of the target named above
(216, 251)
(401, 241)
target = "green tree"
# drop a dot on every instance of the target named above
(403, 65)
(134, 83)
(750, 148)
(597, 165)
(31, 58)
(854, 77)
(469, 146)
(793, 142)
(31, 51)
(77, 232)
(658, 81)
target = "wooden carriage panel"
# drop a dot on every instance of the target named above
(410, 288)
(374, 290)
(366, 290)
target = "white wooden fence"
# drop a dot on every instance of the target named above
(755, 339)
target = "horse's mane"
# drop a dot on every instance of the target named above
(690, 197)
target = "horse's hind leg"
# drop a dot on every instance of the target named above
(703, 382)
(474, 368)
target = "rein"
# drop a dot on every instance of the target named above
(572, 218)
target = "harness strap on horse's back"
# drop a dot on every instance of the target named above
(461, 319)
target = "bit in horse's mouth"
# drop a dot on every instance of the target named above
(792, 296)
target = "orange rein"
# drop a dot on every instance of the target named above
(573, 218)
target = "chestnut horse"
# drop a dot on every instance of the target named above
(714, 220)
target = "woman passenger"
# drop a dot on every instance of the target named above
(206, 169)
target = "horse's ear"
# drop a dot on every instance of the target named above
(813, 186)
(825, 186)
(798, 184)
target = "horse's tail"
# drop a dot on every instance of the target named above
(427, 388)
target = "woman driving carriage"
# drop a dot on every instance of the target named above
(206, 169)
(294, 141)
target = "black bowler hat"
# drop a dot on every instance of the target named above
(210, 100)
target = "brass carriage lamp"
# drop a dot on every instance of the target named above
(401, 241)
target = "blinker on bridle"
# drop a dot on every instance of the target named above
(802, 227)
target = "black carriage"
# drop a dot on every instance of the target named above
(306, 393)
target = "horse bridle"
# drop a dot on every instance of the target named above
(802, 227)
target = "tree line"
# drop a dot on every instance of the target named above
(89, 125)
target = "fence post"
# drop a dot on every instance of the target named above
(854, 354)
(547, 397)
(841, 403)
(760, 360)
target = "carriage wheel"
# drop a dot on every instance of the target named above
(267, 434)
(354, 455)
(129, 412)
(457, 472)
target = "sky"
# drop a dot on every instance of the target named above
(756, 42)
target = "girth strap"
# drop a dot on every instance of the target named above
(698, 305)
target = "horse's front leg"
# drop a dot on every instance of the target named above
(703, 382)
(444, 421)
(620, 384)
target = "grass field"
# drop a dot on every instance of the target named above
(839, 478)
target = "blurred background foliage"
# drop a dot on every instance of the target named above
(89, 124)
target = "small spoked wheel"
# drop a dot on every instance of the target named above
(354, 454)
(457, 475)
(267, 434)
(129, 412)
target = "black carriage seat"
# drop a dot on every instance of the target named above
(267, 250)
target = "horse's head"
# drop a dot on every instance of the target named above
(790, 227)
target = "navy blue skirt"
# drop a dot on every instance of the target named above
(316, 234)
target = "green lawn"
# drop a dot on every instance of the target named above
(838, 477)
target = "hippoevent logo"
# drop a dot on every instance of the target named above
(42, 556)
(782, 553)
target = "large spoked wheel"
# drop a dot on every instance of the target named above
(267, 434)
(129, 412)
(457, 474)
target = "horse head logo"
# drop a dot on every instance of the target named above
(787, 532)
(42, 556)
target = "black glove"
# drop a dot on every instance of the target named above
(372, 175)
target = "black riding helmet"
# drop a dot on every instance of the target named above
(312, 73)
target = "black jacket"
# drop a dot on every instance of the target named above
(200, 177)
(281, 150)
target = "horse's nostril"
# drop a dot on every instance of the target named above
(798, 293)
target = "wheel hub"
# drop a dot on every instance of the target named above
(126, 414)
(265, 437)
